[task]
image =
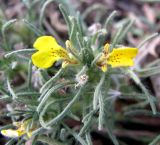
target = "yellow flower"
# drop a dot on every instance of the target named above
(49, 51)
(20, 131)
(12, 133)
(119, 57)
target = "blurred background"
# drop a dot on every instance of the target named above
(134, 128)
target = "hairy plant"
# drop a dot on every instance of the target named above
(77, 83)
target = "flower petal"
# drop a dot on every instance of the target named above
(106, 48)
(12, 133)
(125, 52)
(121, 62)
(44, 59)
(45, 43)
(122, 57)
(60, 52)
(104, 68)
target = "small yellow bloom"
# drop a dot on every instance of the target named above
(20, 131)
(49, 51)
(119, 57)
(12, 133)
